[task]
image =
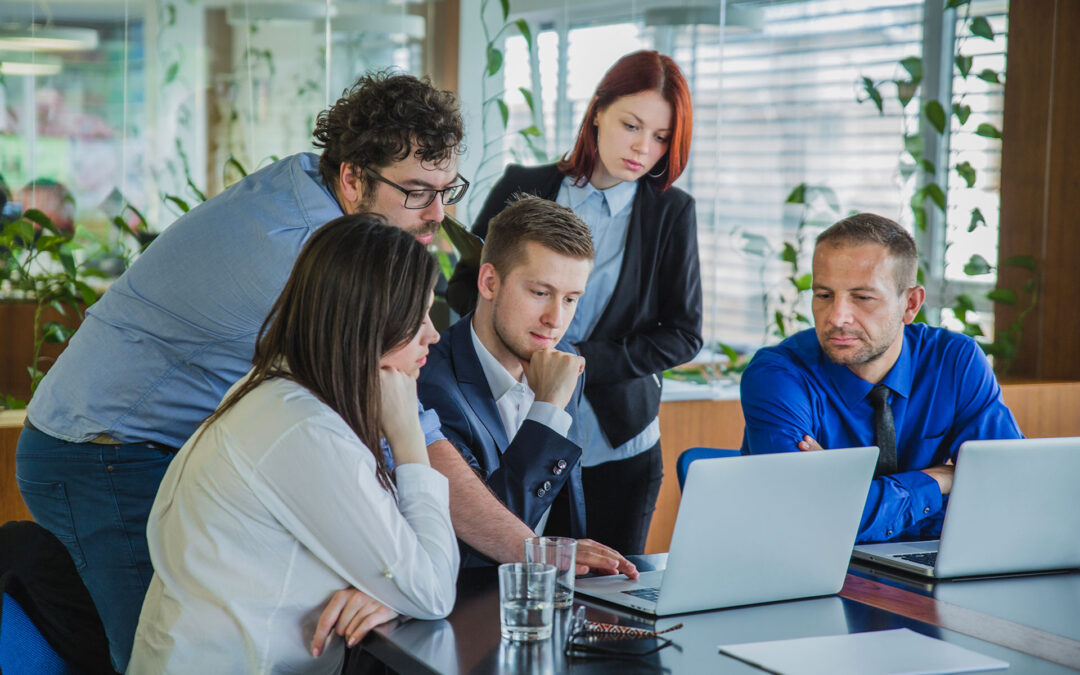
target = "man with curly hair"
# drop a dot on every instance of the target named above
(155, 355)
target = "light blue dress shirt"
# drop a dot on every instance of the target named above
(155, 355)
(607, 213)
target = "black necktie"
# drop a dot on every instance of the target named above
(884, 430)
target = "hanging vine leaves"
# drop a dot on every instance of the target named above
(967, 172)
(936, 115)
(873, 94)
(987, 131)
(976, 219)
(980, 27)
(991, 76)
(963, 64)
(962, 112)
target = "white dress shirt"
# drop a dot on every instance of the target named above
(516, 402)
(257, 524)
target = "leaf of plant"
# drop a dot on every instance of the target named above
(987, 131)
(988, 75)
(55, 333)
(972, 330)
(49, 242)
(235, 163)
(933, 190)
(789, 254)
(905, 91)
(1025, 261)
(39, 217)
(505, 8)
(798, 195)
(729, 352)
(927, 166)
(172, 72)
(980, 27)
(919, 214)
(956, 3)
(530, 131)
(967, 172)
(89, 295)
(976, 265)
(68, 261)
(976, 219)
(962, 112)
(873, 93)
(1005, 296)
(528, 98)
(504, 111)
(914, 66)
(914, 146)
(936, 114)
(964, 302)
(803, 283)
(780, 324)
(963, 64)
(526, 32)
(494, 60)
(180, 203)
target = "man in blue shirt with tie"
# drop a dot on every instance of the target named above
(866, 375)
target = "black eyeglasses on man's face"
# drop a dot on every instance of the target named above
(421, 199)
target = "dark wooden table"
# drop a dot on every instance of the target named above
(1033, 623)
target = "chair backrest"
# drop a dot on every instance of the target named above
(682, 465)
(23, 649)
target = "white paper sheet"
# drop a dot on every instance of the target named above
(888, 652)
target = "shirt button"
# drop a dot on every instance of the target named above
(888, 533)
(387, 573)
(541, 492)
(926, 510)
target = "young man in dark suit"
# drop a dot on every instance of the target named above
(505, 388)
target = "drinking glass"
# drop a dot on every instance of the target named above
(562, 553)
(526, 594)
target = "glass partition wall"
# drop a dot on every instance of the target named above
(143, 108)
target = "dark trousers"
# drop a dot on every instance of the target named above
(620, 498)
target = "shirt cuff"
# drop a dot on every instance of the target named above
(924, 491)
(430, 424)
(412, 480)
(551, 416)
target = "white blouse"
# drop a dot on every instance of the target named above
(256, 526)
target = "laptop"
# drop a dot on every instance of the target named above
(753, 529)
(1014, 507)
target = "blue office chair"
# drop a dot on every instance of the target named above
(23, 649)
(682, 465)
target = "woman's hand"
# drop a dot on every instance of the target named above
(399, 418)
(350, 614)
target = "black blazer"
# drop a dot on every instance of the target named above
(653, 320)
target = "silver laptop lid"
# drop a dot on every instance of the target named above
(1014, 507)
(763, 528)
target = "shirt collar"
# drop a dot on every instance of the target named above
(498, 377)
(617, 196)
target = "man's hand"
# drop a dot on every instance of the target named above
(351, 614)
(943, 474)
(553, 376)
(808, 444)
(592, 556)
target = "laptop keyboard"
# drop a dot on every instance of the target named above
(928, 559)
(652, 594)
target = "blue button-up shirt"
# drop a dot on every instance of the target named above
(155, 355)
(607, 213)
(943, 393)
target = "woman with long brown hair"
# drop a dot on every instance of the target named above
(311, 475)
(641, 311)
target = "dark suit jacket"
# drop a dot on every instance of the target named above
(653, 321)
(524, 471)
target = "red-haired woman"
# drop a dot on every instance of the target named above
(641, 312)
